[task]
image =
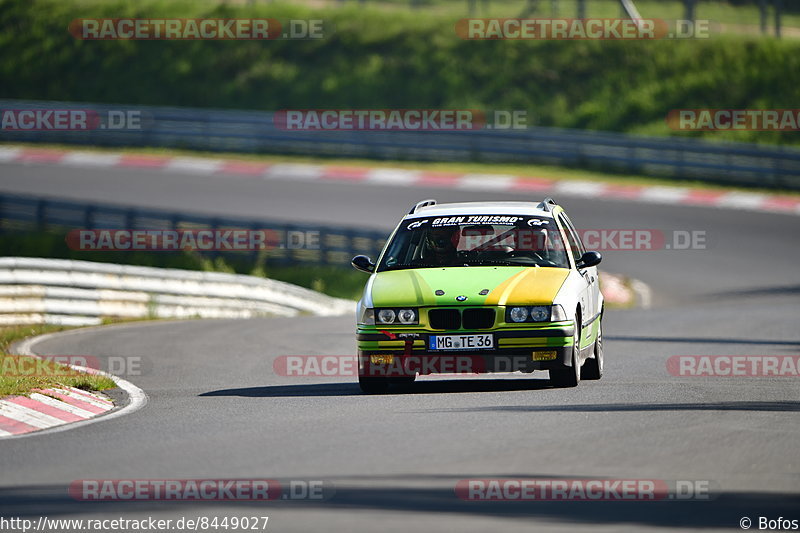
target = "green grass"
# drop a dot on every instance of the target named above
(379, 58)
(20, 375)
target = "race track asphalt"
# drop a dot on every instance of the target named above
(217, 409)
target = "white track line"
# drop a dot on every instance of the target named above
(9, 154)
(580, 188)
(666, 195)
(293, 171)
(485, 182)
(91, 159)
(194, 165)
(741, 200)
(392, 176)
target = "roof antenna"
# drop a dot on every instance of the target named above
(547, 204)
(420, 205)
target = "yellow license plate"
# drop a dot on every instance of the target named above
(548, 355)
(381, 359)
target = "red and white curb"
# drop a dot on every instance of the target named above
(751, 201)
(62, 408)
(48, 408)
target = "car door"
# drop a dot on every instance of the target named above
(588, 276)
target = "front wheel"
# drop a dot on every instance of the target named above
(371, 385)
(593, 368)
(571, 375)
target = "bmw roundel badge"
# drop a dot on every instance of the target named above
(461, 298)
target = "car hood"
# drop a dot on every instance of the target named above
(500, 285)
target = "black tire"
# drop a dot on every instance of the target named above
(593, 368)
(569, 376)
(370, 385)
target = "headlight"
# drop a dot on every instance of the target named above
(540, 313)
(519, 314)
(397, 316)
(535, 313)
(407, 316)
(386, 316)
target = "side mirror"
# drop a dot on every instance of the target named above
(363, 263)
(589, 259)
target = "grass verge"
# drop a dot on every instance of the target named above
(20, 375)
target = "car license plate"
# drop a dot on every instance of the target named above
(461, 342)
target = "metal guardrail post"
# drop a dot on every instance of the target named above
(41, 215)
(130, 219)
(88, 217)
(324, 247)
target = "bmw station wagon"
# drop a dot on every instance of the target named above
(480, 287)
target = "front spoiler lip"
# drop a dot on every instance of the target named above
(488, 359)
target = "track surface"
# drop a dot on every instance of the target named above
(217, 410)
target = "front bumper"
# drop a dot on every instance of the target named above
(398, 353)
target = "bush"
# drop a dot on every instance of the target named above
(392, 59)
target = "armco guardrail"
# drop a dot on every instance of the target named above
(253, 131)
(59, 291)
(296, 243)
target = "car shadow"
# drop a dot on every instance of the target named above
(698, 340)
(626, 407)
(418, 387)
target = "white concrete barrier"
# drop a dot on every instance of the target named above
(59, 291)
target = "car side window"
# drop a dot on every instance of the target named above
(575, 245)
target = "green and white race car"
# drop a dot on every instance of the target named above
(480, 287)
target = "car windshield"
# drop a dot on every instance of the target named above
(475, 240)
